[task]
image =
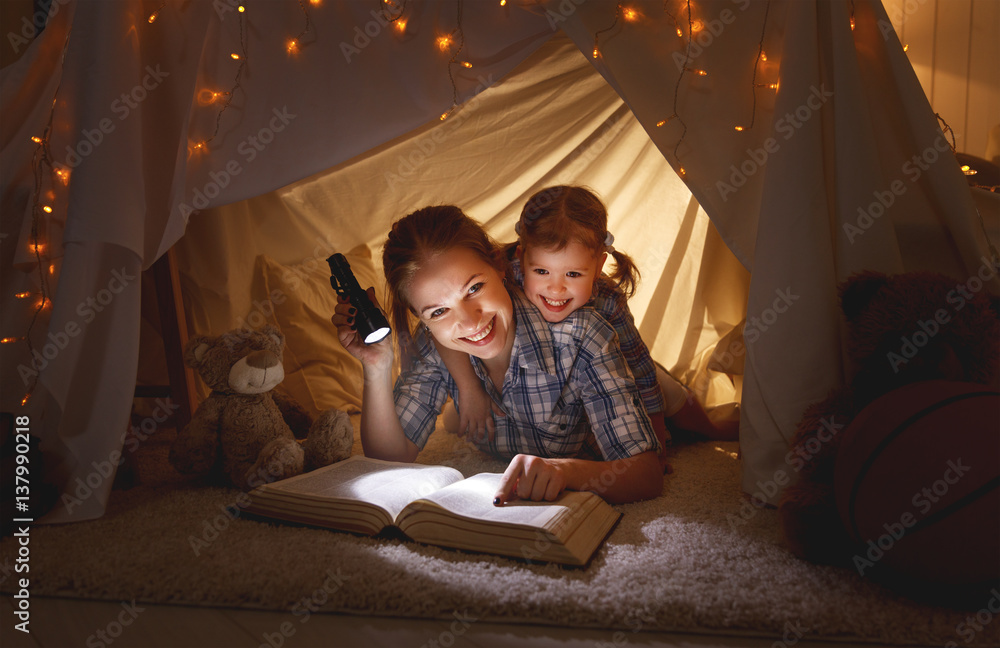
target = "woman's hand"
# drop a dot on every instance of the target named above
(531, 478)
(376, 356)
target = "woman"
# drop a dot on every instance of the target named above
(564, 388)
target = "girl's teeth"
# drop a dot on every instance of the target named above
(554, 303)
(479, 336)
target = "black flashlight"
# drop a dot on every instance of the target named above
(368, 320)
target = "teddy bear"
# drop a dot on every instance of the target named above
(883, 313)
(244, 427)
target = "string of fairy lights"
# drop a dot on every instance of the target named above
(630, 14)
(395, 13)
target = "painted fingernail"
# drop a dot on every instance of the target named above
(497, 501)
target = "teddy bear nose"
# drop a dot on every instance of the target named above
(262, 359)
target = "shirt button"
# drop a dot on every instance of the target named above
(562, 426)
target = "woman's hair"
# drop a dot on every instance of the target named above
(557, 215)
(413, 240)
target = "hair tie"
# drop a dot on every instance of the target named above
(608, 240)
(517, 228)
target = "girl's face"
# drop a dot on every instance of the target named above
(558, 282)
(463, 302)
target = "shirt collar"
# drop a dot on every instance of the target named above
(533, 340)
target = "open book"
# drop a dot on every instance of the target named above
(437, 505)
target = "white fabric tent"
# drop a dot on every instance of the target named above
(794, 195)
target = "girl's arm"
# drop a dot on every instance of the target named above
(382, 434)
(474, 405)
(618, 481)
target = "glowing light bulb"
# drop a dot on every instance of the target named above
(763, 55)
(24, 401)
(52, 268)
(682, 171)
(630, 14)
(503, 3)
(46, 209)
(701, 72)
(152, 16)
(36, 139)
(906, 47)
(852, 23)
(738, 129)
(315, 3)
(772, 86)
(63, 174)
(36, 248)
(22, 295)
(234, 56)
(241, 8)
(596, 52)
(697, 26)
(400, 25)
(292, 45)
(443, 43)
(444, 116)
(465, 64)
(661, 123)
(8, 340)
(969, 171)
(680, 34)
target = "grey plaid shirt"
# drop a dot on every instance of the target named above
(565, 381)
(610, 303)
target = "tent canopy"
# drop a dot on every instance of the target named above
(792, 130)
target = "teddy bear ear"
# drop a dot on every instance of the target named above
(858, 290)
(274, 333)
(195, 350)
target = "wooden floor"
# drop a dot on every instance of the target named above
(64, 623)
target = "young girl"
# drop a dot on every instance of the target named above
(558, 259)
(563, 388)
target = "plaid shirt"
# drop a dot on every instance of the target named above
(610, 303)
(565, 382)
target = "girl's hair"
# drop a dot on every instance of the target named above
(557, 215)
(413, 240)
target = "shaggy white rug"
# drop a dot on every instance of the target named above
(678, 562)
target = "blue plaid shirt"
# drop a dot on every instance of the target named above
(610, 303)
(567, 389)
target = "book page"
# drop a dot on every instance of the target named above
(387, 484)
(473, 498)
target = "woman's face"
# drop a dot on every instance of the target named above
(464, 303)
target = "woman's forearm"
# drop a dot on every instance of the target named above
(382, 435)
(618, 481)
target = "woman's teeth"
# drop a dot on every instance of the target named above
(555, 303)
(481, 334)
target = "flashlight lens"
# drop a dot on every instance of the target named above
(377, 335)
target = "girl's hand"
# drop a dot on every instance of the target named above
(376, 356)
(531, 478)
(476, 414)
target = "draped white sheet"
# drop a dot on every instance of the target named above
(128, 198)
